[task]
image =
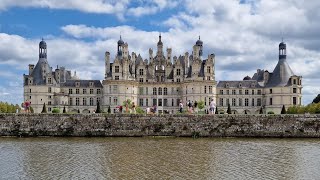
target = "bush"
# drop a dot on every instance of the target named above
(44, 108)
(283, 110)
(55, 110)
(64, 109)
(270, 112)
(139, 110)
(229, 109)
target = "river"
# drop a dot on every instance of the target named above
(159, 158)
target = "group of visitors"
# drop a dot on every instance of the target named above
(192, 107)
(130, 108)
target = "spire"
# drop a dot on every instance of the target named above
(159, 42)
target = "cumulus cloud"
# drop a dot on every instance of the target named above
(244, 37)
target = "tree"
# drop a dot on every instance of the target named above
(98, 110)
(44, 108)
(229, 109)
(316, 99)
(216, 112)
(261, 110)
(283, 110)
(109, 110)
(31, 109)
(55, 110)
(201, 105)
(78, 110)
(64, 109)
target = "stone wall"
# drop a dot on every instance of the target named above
(162, 125)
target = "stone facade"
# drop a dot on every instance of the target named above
(163, 125)
(162, 81)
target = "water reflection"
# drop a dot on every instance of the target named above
(159, 158)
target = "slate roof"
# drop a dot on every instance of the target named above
(280, 75)
(83, 83)
(236, 84)
(36, 73)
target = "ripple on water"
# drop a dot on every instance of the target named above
(159, 158)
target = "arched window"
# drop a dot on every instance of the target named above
(165, 91)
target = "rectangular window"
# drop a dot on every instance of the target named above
(208, 69)
(233, 92)
(294, 81)
(84, 91)
(210, 89)
(154, 91)
(259, 92)
(141, 72)
(246, 92)
(159, 102)
(165, 102)
(77, 101)
(228, 91)
(140, 102)
(208, 78)
(160, 91)
(294, 90)
(116, 69)
(259, 102)
(227, 101)
(147, 102)
(91, 102)
(221, 101)
(252, 102)
(70, 91)
(49, 89)
(240, 102)
(270, 91)
(240, 92)
(154, 102)
(205, 89)
(49, 109)
(84, 101)
(178, 102)
(246, 102)
(77, 91)
(140, 79)
(178, 72)
(140, 90)
(178, 79)
(49, 81)
(49, 102)
(252, 92)
(294, 101)
(115, 101)
(115, 89)
(98, 100)
(165, 91)
(30, 90)
(91, 91)
(98, 91)
(221, 91)
(116, 78)
(270, 101)
(233, 102)
(70, 102)
(172, 102)
(109, 100)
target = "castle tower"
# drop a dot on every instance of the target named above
(120, 44)
(197, 49)
(160, 46)
(282, 50)
(42, 49)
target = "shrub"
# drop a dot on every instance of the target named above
(283, 110)
(270, 112)
(55, 110)
(98, 108)
(64, 109)
(44, 108)
(139, 110)
(229, 109)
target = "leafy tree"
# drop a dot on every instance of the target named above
(201, 105)
(44, 108)
(64, 109)
(139, 110)
(216, 112)
(98, 110)
(283, 110)
(229, 109)
(316, 99)
(31, 109)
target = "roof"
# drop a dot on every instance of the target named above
(83, 83)
(37, 72)
(236, 84)
(280, 75)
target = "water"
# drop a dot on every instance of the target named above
(159, 158)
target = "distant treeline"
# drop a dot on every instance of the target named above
(8, 108)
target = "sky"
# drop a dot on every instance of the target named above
(243, 34)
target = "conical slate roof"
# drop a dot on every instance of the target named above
(37, 71)
(281, 74)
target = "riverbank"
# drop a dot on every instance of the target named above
(127, 125)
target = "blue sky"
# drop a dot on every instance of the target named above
(244, 35)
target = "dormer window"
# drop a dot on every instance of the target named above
(49, 80)
(294, 81)
(116, 69)
(253, 85)
(77, 84)
(240, 85)
(227, 85)
(91, 84)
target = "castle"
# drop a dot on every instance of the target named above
(162, 81)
